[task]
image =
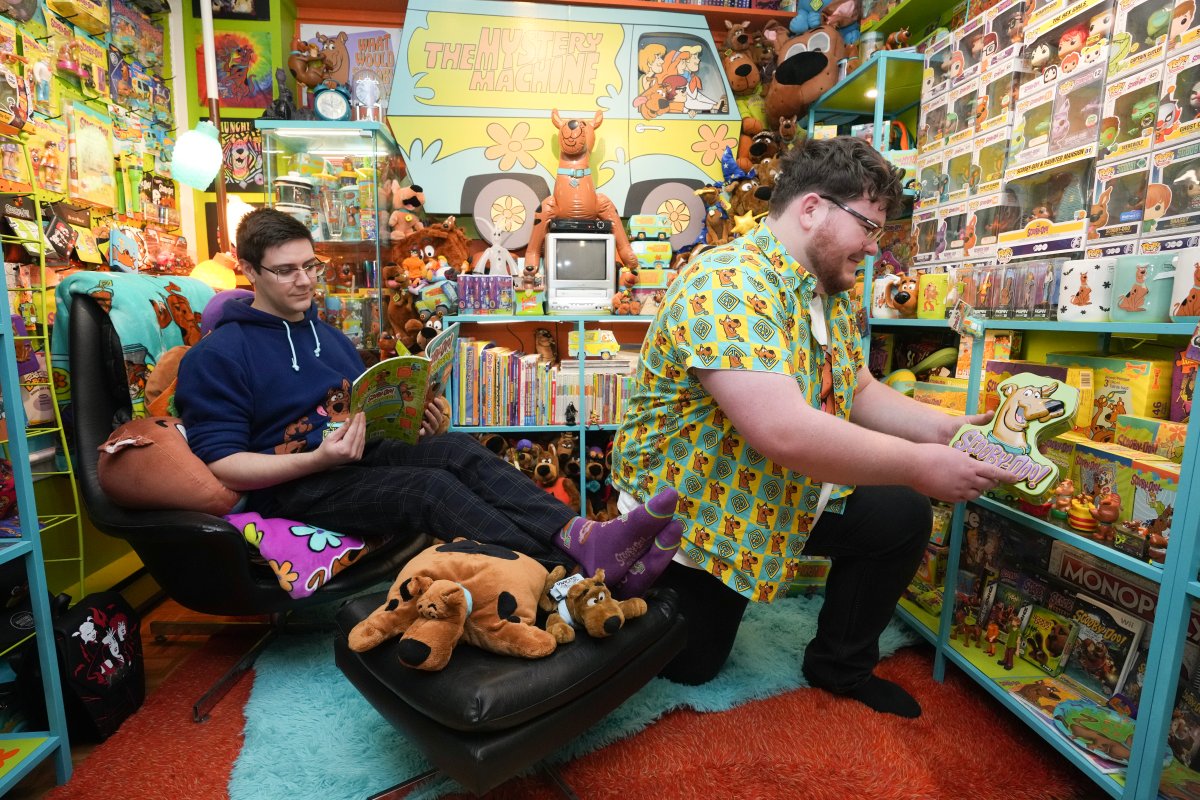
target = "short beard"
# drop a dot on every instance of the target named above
(819, 264)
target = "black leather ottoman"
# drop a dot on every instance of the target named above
(487, 717)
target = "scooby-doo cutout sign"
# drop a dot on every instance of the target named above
(1030, 407)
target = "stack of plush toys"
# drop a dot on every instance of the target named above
(558, 467)
(452, 592)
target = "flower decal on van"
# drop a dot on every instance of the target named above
(512, 148)
(712, 143)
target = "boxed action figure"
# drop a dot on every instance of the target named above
(1074, 38)
(997, 94)
(961, 111)
(932, 180)
(1185, 28)
(1179, 108)
(926, 230)
(1130, 113)
(935, 80)
(1004, 38)
(1075, 117)
(1031, 128)
(994, 214)
(955, 224)
(991, 158)
(1139, 35)
(960, 170)
(1118, 198)
(966, 52)
(1052, 197)
(931, 129)
(1173, 193)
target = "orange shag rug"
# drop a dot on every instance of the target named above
(801, 745)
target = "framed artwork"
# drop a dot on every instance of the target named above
(236, 9)
(242, 145)
(243, 69)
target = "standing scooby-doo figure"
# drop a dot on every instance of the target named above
(575, 196)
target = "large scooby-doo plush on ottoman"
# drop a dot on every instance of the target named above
(483, 594)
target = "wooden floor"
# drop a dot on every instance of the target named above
(160, 659)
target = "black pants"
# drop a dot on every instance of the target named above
(447, 486)
(875, 545)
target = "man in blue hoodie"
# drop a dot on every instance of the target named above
(265, 402)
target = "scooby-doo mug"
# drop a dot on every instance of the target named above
(1085, 290)
(1142, 288)
(932, 288)
(1185, 299)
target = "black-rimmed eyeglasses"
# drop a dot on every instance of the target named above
(873, 230)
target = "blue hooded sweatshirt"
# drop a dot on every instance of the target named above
(261, 384)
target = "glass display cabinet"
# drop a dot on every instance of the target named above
(329, 176)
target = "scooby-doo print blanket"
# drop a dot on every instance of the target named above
(303, 557)
(150, 313)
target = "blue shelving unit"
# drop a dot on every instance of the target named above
(580, 323)
(1177, 580)
(32, 747)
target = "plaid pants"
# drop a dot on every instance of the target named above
(446, 486)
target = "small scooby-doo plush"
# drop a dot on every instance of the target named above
(482, 594)
(587, 603)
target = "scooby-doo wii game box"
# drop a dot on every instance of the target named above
(1105, 647)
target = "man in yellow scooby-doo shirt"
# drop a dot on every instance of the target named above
(743, 399)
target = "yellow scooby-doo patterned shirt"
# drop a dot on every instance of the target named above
(744, 305)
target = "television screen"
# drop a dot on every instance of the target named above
(581, 260)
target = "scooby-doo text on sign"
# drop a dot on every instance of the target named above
(1030, 407)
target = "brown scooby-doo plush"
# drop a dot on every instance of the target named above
(586, 604)
(483, 594)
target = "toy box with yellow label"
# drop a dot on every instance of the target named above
(1051, 197)
(1118, 198)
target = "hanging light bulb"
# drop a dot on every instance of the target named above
(197, 156)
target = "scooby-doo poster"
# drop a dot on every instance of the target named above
(243, 69)
(236, 9)
(242, 145)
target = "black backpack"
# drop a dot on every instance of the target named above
(100, 662)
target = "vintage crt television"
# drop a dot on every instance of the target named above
(580, 272)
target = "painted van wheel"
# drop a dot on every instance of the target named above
(506, 205)
(679, 203)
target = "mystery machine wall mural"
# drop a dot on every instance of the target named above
(475, 87)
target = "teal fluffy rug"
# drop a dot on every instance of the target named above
(309, 733)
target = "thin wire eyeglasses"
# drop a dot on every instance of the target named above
(290, 274)
(874, 230)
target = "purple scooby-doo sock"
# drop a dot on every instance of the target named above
(616, 545)
(645, 570)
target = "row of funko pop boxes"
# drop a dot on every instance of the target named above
(1149, 287)
(1118, 73)
(1021, 140)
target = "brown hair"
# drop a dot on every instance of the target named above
(844, 168)
(264, 228)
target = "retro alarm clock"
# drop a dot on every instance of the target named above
(332, 103)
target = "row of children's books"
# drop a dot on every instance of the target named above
(502, 386)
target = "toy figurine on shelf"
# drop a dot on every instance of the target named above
(1079, 514)
(991, 635)
(1062, 495)
(896, 39)
(1012, 636)
(305, 63)
(348, 176)
(1106, 509)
